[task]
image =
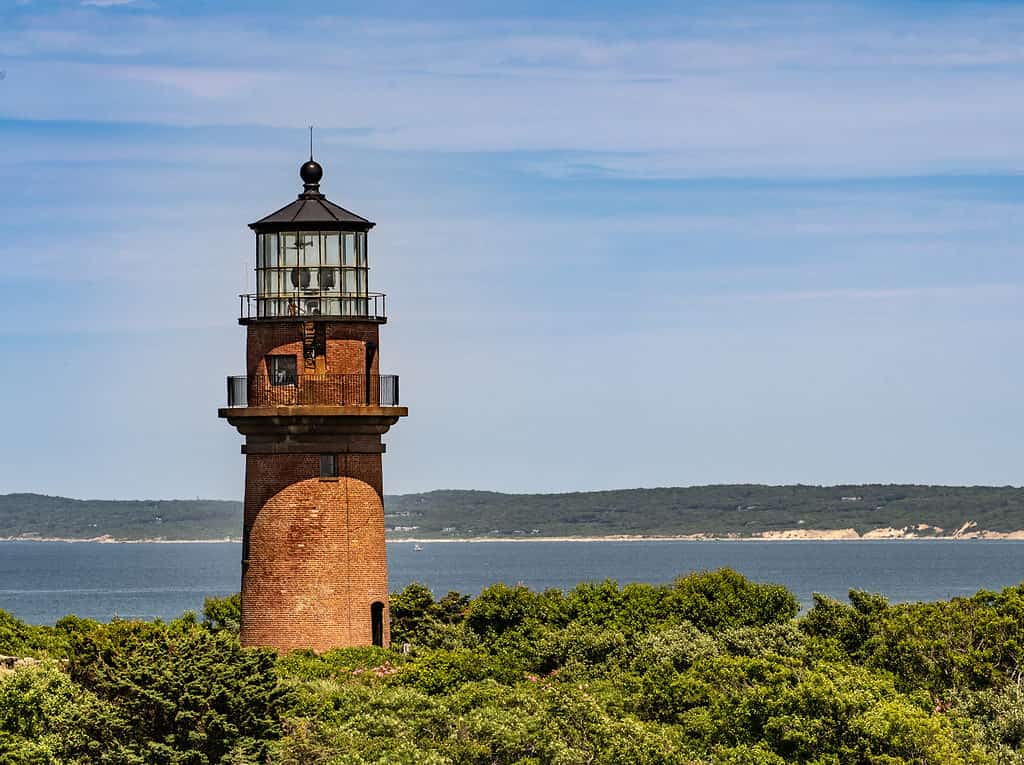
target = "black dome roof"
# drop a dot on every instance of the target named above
(312, 209)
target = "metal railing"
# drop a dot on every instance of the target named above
(299, 305)
(307, 390)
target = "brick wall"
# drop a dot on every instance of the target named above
(344, 352)
(346, 348)
(346, 357)
(315, 553)
(317, 560)
(346, 345)
(268, 338)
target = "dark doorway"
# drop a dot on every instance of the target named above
(370, 399)
(377, 623)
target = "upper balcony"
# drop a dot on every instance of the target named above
(303, 306)
(313, 390)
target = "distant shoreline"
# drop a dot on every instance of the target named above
(734, 512)
(793, 535)
(106, 540)
(964, 534)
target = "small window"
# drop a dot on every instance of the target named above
(282, 370)
(328, 465)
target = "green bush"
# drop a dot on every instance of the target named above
(501, 608)
(47, 718)
(719, 599)
(712, 670)
(223, 613)
(187, 692)
(20, 639)
(420, 621)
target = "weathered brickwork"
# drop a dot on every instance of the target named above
(342, 351)
(269, 474)
(315, 557)
(317, 564)
(346, 357)
(269, 338)
(346, 346)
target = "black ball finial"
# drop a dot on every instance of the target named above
(311, 172)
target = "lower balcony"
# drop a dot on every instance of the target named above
(313, 390)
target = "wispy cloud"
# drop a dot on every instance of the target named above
(853, 92)
(960, 292)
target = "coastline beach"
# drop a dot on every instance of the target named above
(967, 532)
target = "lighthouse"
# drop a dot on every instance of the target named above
(312, 407)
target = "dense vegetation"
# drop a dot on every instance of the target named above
(716, 510)
(712, 669)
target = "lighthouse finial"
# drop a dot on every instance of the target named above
(311, 172)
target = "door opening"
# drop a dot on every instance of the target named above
(377, 623)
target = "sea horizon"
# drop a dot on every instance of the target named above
(40, 582)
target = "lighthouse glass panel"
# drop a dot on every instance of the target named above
(311, 273)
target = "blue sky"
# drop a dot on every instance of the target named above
(661, 244)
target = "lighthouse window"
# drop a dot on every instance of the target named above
(332, 256)
(282, 370)
(349, 254)
(310, 249)
(291, 247)
(328, 465)
(300, 273)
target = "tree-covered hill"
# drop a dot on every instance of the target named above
(743, 510)
(43, 516)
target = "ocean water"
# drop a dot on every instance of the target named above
(42, 581)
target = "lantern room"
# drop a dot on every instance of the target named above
(312, 260)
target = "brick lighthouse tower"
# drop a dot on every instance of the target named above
(313, 407)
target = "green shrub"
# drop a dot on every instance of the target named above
(442, 671)
(20, 639)
(223, 613)
(422, 622)
(501, 608)
(713, 669)
(675, 649)
(46, 718)
(719, 599)
(187, 692)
